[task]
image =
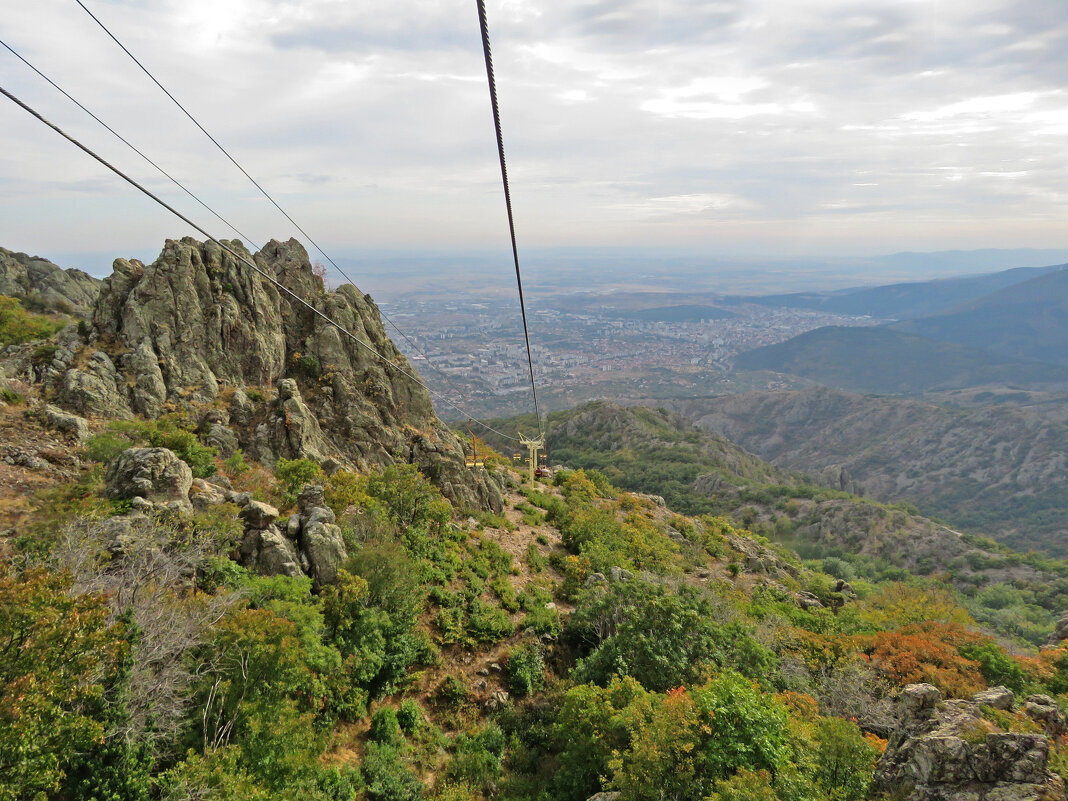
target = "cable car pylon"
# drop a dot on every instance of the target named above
(533, 446)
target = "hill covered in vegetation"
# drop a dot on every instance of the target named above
(697, 472)
(891, 362)
(992, 469)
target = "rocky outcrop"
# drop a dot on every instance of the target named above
(264, 548)
(949, 751)
(320, 539)
(42, 282)
(198, 327)
(307, 543)
(155, 476)
(77, 427)
(1060, 631)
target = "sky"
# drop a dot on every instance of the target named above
(802, 128)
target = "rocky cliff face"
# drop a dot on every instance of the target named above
(199, 331)
(31, 277)
(953, 751)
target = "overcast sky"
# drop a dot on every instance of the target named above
(778, 127)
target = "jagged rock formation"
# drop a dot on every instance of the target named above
(198, 329)
(39, 280)
(949, 751)
(308, 542)
(155, 477)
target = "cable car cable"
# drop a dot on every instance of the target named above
(484, 29)
(241, 258)
(263, 191)
(122, 139)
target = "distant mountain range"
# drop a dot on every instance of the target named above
(905, 301)
(1014, 333)
(1027, 320)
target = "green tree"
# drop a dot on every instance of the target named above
(845, 760)
(57, 654)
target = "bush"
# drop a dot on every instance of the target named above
(235, 465)
(385, 728)
(845, 759)
(293, 474)
(410, 716)
(18, 325)
(451, 693)
(387, 777)
(663, 639)
(526, 670)
(477, 760)
(105, 447)
(487, 623)
(186, 446)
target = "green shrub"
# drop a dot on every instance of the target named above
(11, 397)
(410, 716)
(186, 446)
(235, 465)
(387, 777)
(535, 561)
(487, 623)
(663, 639)
(477, 760)
(105, 447)
(526, 670)
(845, 761)
(385, 728)
(451, 693)
(293, 474)
(18, 325)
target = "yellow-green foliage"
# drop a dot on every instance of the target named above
(897, 604)
(18, 325)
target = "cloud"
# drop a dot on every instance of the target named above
(753, 124)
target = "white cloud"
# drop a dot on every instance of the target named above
(763, 123)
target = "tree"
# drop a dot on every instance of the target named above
(57, 651)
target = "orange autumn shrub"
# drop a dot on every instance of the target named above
(926, 652)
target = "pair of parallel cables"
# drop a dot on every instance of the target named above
(504, 175)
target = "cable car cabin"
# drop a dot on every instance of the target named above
(474, 461)
(543, 470)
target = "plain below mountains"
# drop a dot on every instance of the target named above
(998, 470)
(1014, 336)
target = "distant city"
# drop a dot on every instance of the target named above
(590, 346)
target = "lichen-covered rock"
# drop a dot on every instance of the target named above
(292, 431)
(324, 546)
(320, 539)
(223, 439)
(258, 515)
(1044, 710)
(1060, 631)
(996, 697)
(22, 276)
(77, 427)
(948, 751)
(204, 494)
(197, 320)
(276, 555)
(155, 474)
(94, 389)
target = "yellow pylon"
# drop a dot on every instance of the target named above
(533, 445)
